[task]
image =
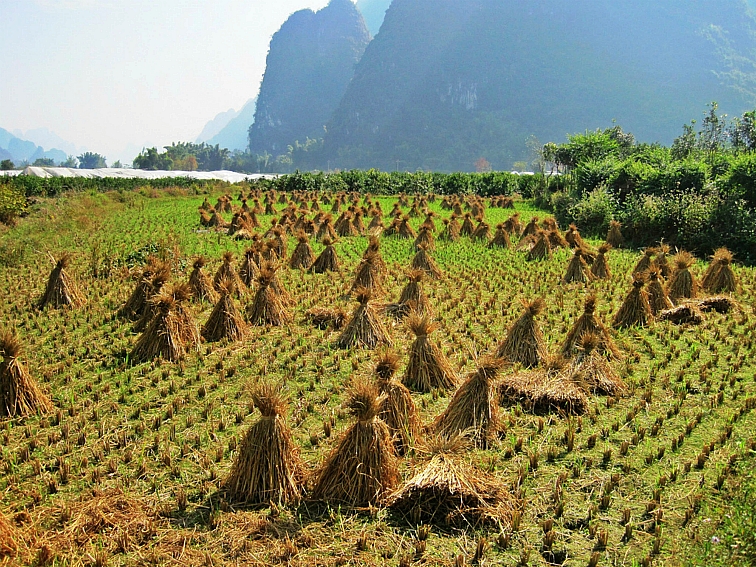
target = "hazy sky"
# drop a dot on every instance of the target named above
(117, 75)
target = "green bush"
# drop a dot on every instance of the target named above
(12, 203)
(593, 213)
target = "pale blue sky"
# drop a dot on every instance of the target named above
(116, 75)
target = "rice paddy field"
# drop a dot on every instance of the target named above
(128, 467)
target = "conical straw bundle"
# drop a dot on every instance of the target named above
(19, 393)
(369, 274)
(542, 248)
(268, 307)
(578, 270)
(683, 284)
(225, 321)
(365, 328)
(172, 333)
(61, 289)
(427, 368)
(474, 408)
(589, 322)
(267, 468)
(303, 257)
(328, 261)
(423, 261)
(200, 283)
(635, 309)
(720, 277)
(227, 272)
(398, 409)
(644, 264)
(362, 469)
(600, 268)
(657, 297)
(501, 239)
(614, 236)
(525, 343)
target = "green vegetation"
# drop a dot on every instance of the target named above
(128, 467)
(697, 194)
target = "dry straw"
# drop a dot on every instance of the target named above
(158, 281)
(501, 239)
(225, 321)
(444, 492)
(365, 328)
(228, 272)
(303, 257)
(423, 261)
(635, 309)
(662, 260)
(686, 314)
(525, 343)
(589, 322)
(412, 298)
(549, 388)
(200, 283)
(578, 270)
(8, 545)
(324, 318)
(19, 393)
(137, 301)
(370, 273)
(268, 306)
(398, 409)
(683, 284)
(172, 332)
(657, 297)
(474, 408)
(541, 249)
(328, 261)
(592, 370)
(720, 277)
(250, 269)
(614, 236)
(362, 468)
(267, 468)
(600, 268)
(644, 264)
(61, 289)
(428, 367)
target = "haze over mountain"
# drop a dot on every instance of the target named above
(309, 65)
(447, 82)
(214, 126)
(234, 135)
(19, 150)
(374, 11)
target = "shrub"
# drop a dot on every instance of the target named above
(593, 213)
(12, 203)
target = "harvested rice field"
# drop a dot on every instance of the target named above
(455, 394)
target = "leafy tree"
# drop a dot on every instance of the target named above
(44, 162)
(91, 160)
(742, 132)
(70, 162)
(150, 159)
(117, 164)
(6, 165)
(482, 165)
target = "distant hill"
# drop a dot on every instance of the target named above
(374, 11)
(234, 135)
(214, 126)
(310, 63)
(447, 82)
(19, 150)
